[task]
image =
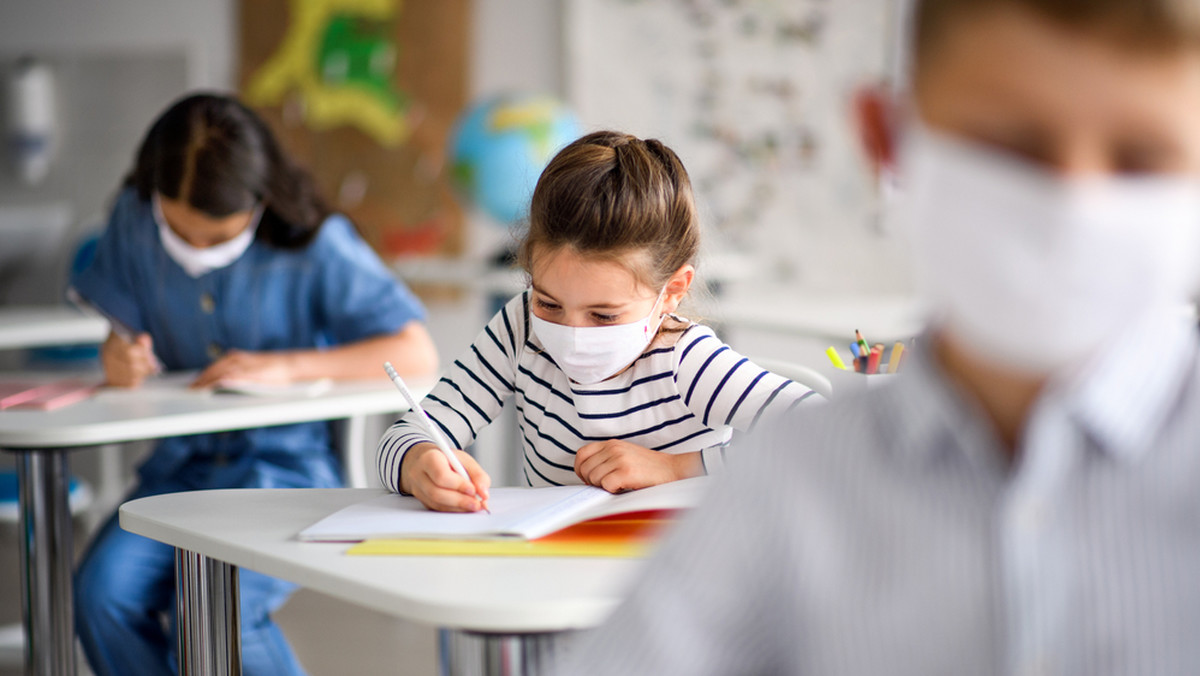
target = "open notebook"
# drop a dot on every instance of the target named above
(517, 513)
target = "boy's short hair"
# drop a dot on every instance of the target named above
(1144, 25)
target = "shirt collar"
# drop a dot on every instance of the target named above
(1121, 398)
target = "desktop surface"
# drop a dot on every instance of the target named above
(484, 594)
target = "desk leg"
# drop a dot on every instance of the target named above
(466, 653)
(206, 596)
(46, 560)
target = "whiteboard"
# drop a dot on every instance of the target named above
(755, 97)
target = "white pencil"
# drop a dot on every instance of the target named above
(429, 425)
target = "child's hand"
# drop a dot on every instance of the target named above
(618, 466)
(256, 367)
(426, 474)
(128, 364)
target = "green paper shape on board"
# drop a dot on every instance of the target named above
(357, 51)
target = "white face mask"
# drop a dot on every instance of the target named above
(1034, 272)
(591, 354)
(196, 261)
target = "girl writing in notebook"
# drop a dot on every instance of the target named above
(221, 258)
(612, 388)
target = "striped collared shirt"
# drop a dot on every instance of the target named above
(888, 534)
(687, 392)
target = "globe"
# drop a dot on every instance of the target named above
(500, 146)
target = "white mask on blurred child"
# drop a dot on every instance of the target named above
(591, 354)
(1035, 272)
(201, 261)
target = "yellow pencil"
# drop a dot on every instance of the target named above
(835, 358)
(894, 362)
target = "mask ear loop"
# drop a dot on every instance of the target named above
(650, 336)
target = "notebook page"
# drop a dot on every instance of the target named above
(399, 516)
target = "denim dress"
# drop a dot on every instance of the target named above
(333, 291)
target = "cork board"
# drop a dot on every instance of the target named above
(364, 93)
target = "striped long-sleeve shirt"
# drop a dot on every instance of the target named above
(687, 392)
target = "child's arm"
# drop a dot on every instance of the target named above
(467, 398)
(410, 350)
(723, 388)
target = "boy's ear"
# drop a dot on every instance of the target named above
(874, 115)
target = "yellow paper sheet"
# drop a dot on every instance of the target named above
(611, 537)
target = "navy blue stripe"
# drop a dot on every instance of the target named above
(525, 314)
(488, 365)
(656, 428)
(641, 381)
(797, 402)
(543, 383)
(529, 464)
(689, 437)
(543, 435)
(542, 353)
(477, 379)
(548, 461)
(457, 412)
(749, 389)
(768, 403)
(470, 403)
(712, 398)
(386, 463)
(446, 431)
(696, 342)
(657, 350)
(492, 335)
(582, 437)
(703, 367)
(635, 409)
(512, 337)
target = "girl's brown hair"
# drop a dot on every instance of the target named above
(218, 156)
(616, 197)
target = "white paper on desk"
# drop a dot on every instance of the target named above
(524, 513)
(305, 388)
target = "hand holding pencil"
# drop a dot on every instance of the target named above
(440, 477)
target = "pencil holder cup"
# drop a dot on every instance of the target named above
(848, 382)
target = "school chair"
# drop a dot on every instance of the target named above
(805, 375)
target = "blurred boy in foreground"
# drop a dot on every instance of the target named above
(1026, 498)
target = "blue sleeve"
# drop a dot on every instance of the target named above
(113, 279)
(359, 297)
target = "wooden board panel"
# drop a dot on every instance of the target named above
(364, 93)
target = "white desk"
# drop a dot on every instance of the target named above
(41, 326)
(42, 440)
(517, 602)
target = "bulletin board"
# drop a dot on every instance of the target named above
(364, 93)
(755, 97)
